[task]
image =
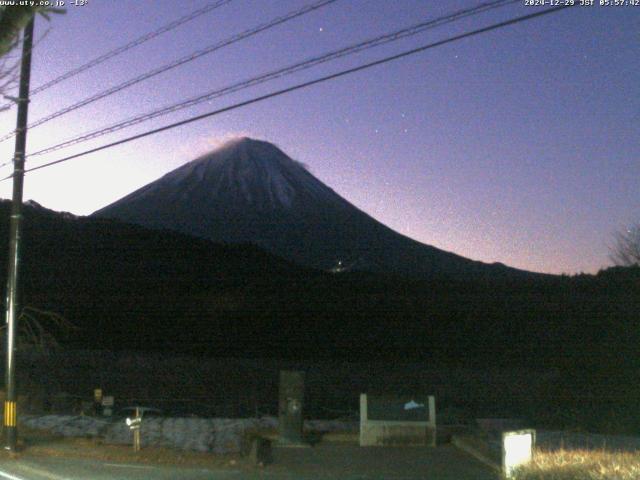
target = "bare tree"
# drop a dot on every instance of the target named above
(12, 21)
(41, 329)
(626, 250)
(9, 37)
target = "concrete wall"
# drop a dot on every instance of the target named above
(393, 432)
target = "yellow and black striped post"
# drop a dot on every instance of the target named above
(10, 413)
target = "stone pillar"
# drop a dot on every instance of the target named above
(290, 405)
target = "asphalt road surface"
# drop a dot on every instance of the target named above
(43, 468)
(322, 463)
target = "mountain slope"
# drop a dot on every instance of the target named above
(130, 288)
(250, 191)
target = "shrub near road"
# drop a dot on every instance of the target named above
(582, 465)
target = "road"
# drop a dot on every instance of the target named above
(319, 463)
(43, 468)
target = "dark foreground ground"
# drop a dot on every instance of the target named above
(391, 463)
(58, 459)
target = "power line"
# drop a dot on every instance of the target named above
(306, 64)
(134, 43)
(181, 61)
(300, 86)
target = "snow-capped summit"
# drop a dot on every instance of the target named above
(243, 173)
(250, 191)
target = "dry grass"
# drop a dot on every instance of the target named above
(581, 465)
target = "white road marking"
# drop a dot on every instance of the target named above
(9, 476)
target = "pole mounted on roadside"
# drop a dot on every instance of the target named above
(10, 411)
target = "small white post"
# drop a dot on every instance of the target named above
(517, 449)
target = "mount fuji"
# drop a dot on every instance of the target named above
(249, 191)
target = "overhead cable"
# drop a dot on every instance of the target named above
(281, 72)
(300, 86)
(181, 61)
(124, 48)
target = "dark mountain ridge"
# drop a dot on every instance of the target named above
(131, 288)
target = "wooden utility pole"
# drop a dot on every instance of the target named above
(10, 410)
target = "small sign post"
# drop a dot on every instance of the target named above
(134, 425)
(97, 401)
(107, 405)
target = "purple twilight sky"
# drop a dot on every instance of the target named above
(519, 145)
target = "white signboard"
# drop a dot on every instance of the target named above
(517, 449)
